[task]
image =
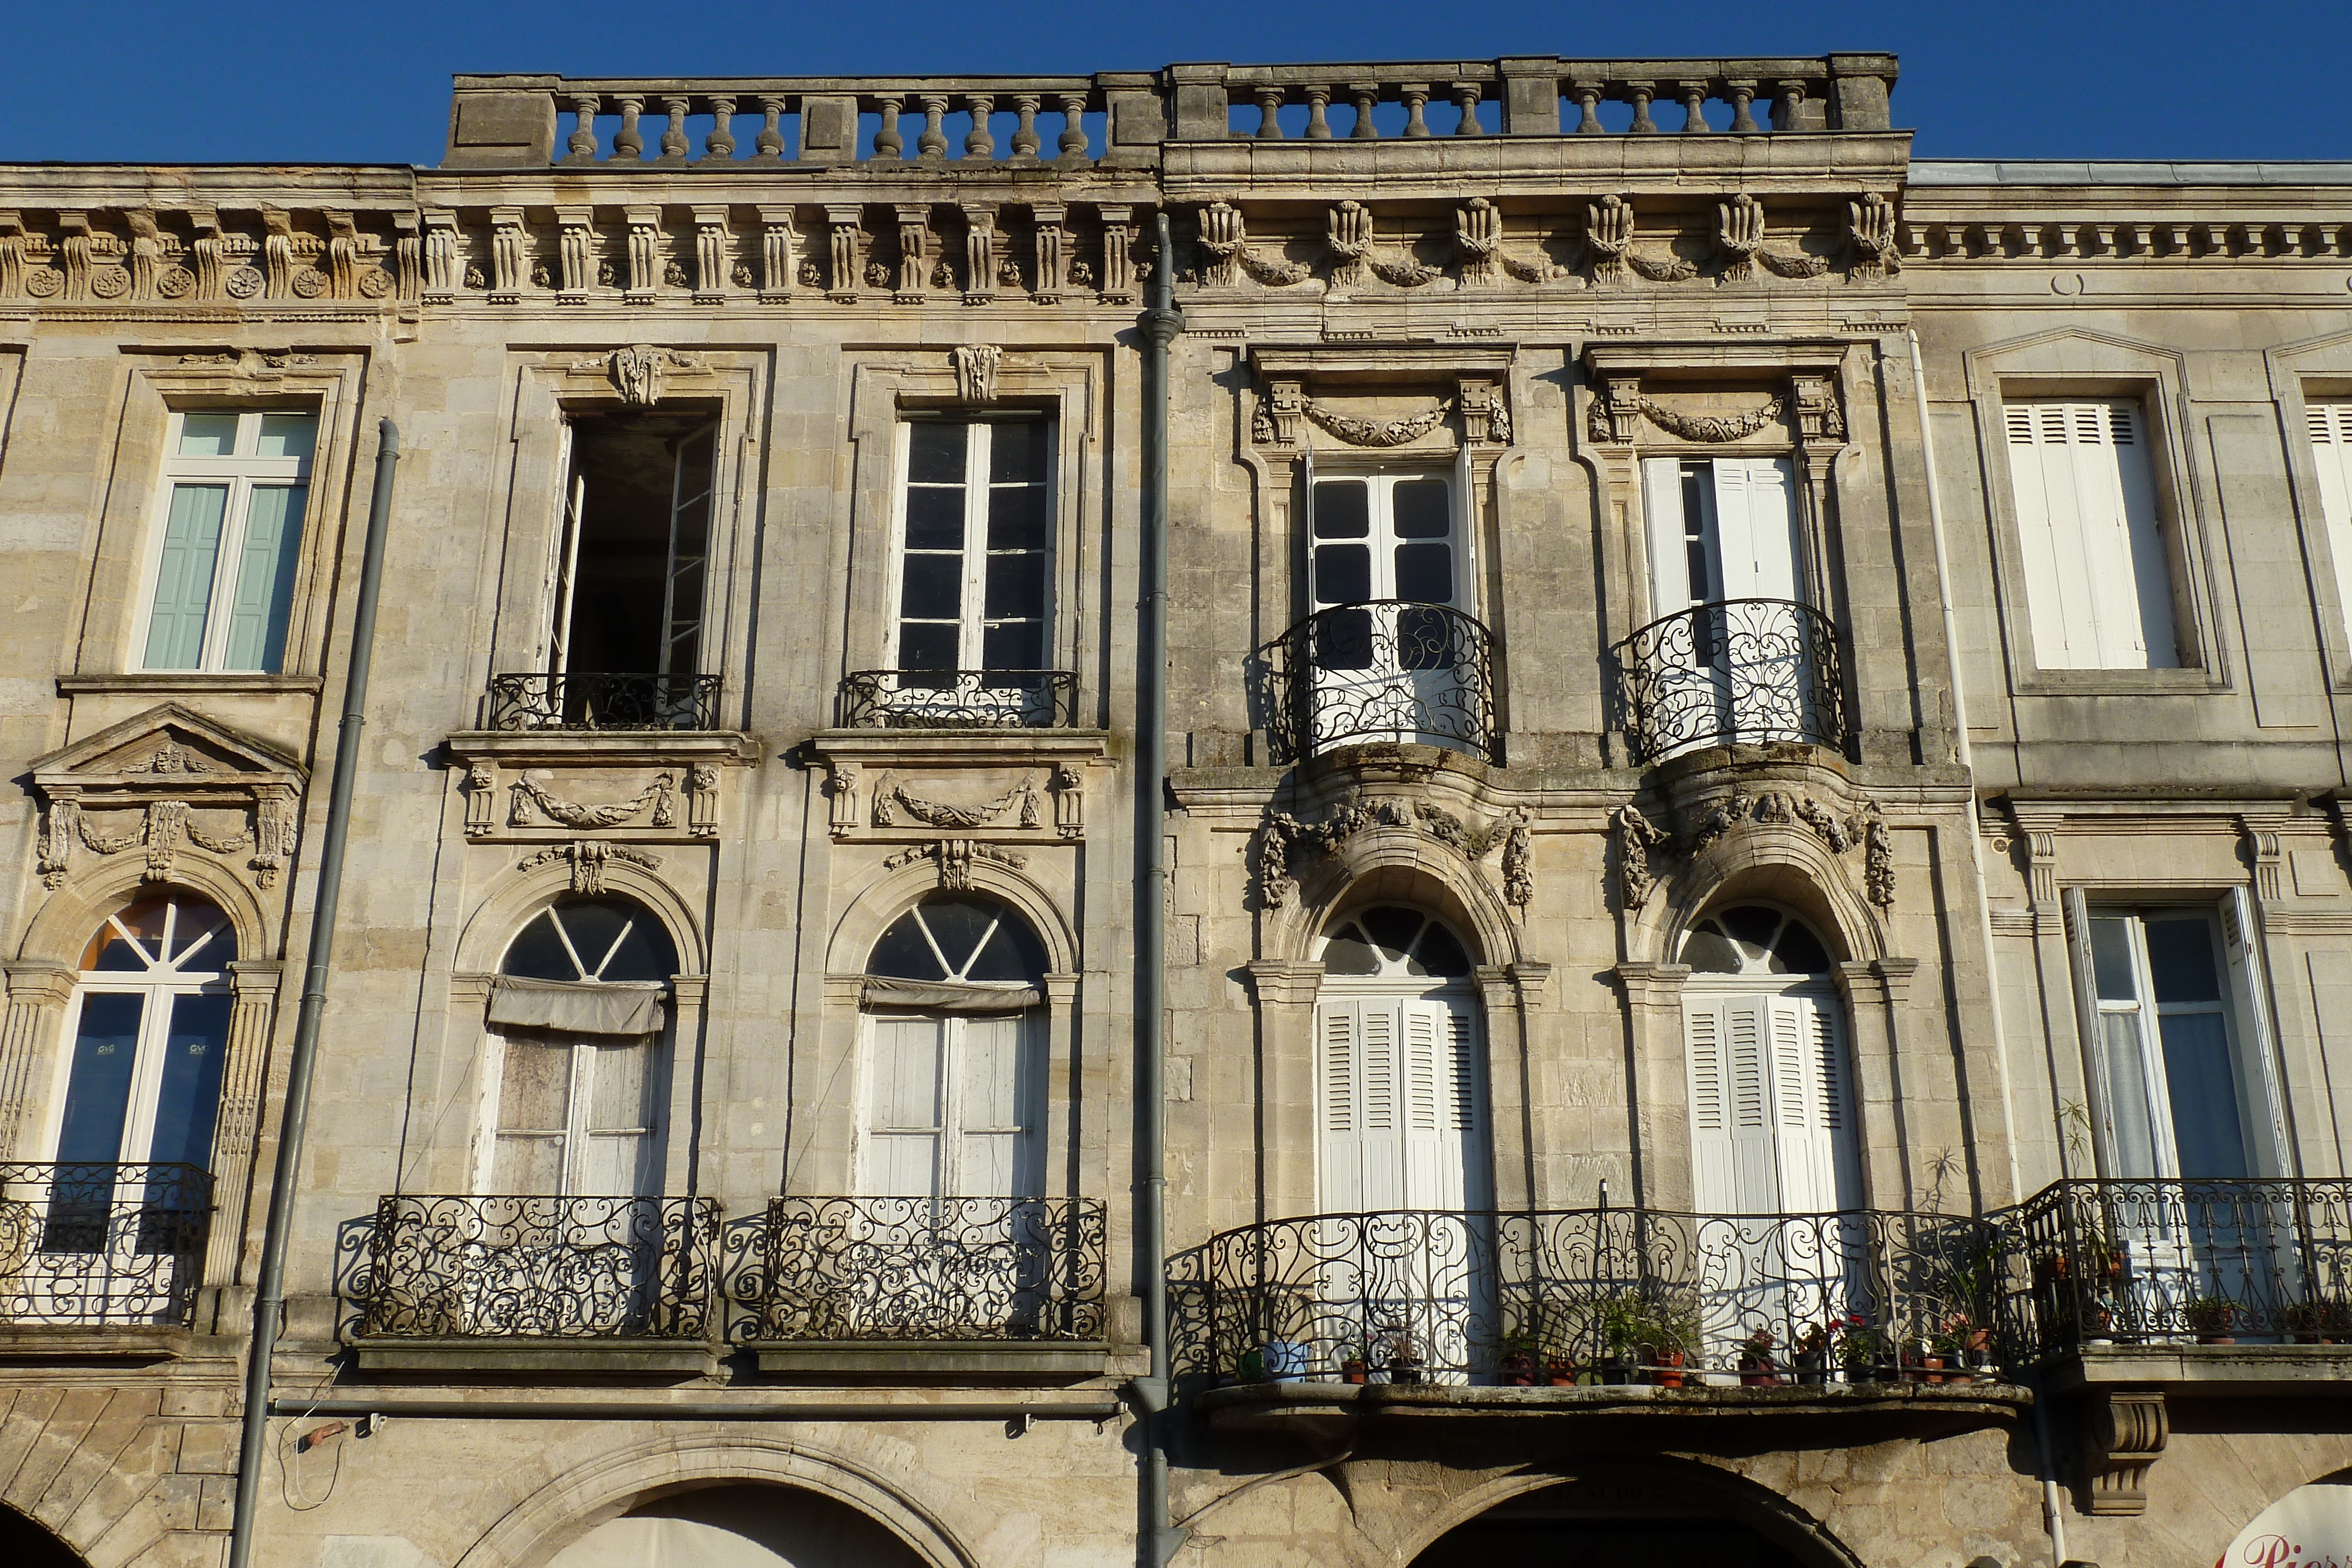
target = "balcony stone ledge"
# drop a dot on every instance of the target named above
(975, 747)
(2209, 1371)
(1844, 1415)
(562, 1359)
(605, 748)
(1012, 1362)
(109, 1345)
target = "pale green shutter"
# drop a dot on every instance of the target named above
(265, 577)
(183, 576)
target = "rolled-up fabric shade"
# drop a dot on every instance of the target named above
(578, 1007)
(949, 996)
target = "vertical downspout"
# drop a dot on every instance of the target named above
(270, 1298)
(2052, 1505)
(1159, 326)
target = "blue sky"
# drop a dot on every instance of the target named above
(266, 80)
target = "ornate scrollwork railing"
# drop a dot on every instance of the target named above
(550, 1268)
(1387, 669)
(960, 699)
(2132, 1261)
(1612, 1295)
(1743, 671)
(927, 1268)
(89, 1244)
(603, 701)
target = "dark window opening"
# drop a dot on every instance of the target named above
(632, 567)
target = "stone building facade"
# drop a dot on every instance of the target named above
(1755, 965)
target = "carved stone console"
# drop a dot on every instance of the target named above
(2123, 1435)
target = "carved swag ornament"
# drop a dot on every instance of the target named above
(163, 782)
(1638, 838)
(1284, 838)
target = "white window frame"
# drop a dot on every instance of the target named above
(243, 472)
(972, 628)
(1380, 538)
(1670, 523)
(577, 1132)
(949, 1131)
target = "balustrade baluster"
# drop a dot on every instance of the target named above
(1366, 96)
(628, 142)
(1587, 103)
(1465, 99)
(1269, 101)
(1416, 98)
(673, 141)
(1074, 127)
(770, 140)
(1788, 101)
(1318, 128)
(1639, 93)
(1694, 102)
(933, 142)
(888, 142)
(583, 144)
(1024, 135)
(979, 143)
(1743, 119)
(720, 143)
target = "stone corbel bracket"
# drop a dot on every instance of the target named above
(2123, 1435)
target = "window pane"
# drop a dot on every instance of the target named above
(903, 954)
(932, 587)
(1342, 510)
(183, 576)
(1801, 952)
(2204, 1094)
(2111, 960)
(1392, 930)
(620, 1088)
(188, 1106)
(595, 924)
(1348, 954)
(927, 647)
(1017, 451)
(2180, 960)
(1710, 952)
(98, 1095)
(935, 453)
(265, 577)
(286, 434)
(1012, 954)
(1014, 645)
(935, 519)
(1017, 587)
(539, 954)
(1017, 518)
(201, 931)
(1439, 954)
(1425, 573)
(2134, 1144)
(207, 434)
(1424, 509)
(527, 1164)
(535, 1084)
(958, 926)
(1343, 574)
(1343, 639)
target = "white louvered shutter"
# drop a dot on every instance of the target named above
(903, 1106)
(1771, 1104)
(1703, 1032)
(1662, 506)
(1439, 1102)
(1820, 1166)
(1755, 522)
(2098, 585)
(1400, 1105)
(2331, 450)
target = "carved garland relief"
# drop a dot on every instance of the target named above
(163, 785)
(1284, 839)
(532, 804)
(1639, 840)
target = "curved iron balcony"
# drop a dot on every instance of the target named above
(960, 699)
(2137, 1261)
(1609, 1295)
(99, 1243)
(1384, 670)
(605, 701)
(1738, 672)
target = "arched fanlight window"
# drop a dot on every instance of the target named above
(597, 938)
(957, 937)
(1753, 939)
(1392, 942)
(150, 1035)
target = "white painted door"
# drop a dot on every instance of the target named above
(2331, 451)
(1386, 668)
(1725, 554)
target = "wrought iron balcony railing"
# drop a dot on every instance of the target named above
(1608, 1295)
(960, 699)
(1740, 671)
(924, 1269)
(91, 1244)
(539, 1268)
(2156, 1262)
(1385, 670)
(603, 701)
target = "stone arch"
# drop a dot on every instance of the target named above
(522, 894)
(26, 1543)
(568, 1506)
(1396, 865)
(892, 895)
(61, 928)
(1787, 866)
(1745, 1501)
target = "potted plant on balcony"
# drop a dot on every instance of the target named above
(1559, 1367)
(2211, 1319)
(1861, 1350)
(1621, 1322)
(1404, 1359)
(2314, 1320)
(1672, 1322)
(1811, 1354)
(1519, 1360)
(1756, 1367)
(1356, 1366)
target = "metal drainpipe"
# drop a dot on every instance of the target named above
(1159, 326)
(269, 1299)
(2052, 1504)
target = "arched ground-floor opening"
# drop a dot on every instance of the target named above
(24, 1544)
(1630, 1516)
(738, 1526)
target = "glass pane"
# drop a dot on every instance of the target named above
(2134, 1144)
(265, 578)
(286, 434)
(1343, 639)
(535, 1084)
(958, 924)
(1440, 954)
(595, 924)
(183, 576)
(1425, 638)
(98, 1095)
(199, 931)
(1017, 451)
(1392, 931)
(1017, 518)
(1425, 573)
(935, 518)
(2111, 960)
(527, 1164)
(929, 646)
(694, 461)
(902, 953)
(1017, 587)
(110, 950)
(187, 1104)
(1342, 509)
(1424, 509)
(1343, 574)
(538, 954)
(1348, 954)
(932, 587)
(1800, 952)
(620, 1087)
(1709, 952)
(1012, 954)
(1015, 645)
(207, 434)
(2203, 1090)
(1753, 925)
(935, 452)
(2180, 964)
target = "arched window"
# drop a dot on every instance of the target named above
(1394, 942)
(576, 1085)
(1772, 1109)
(954, 1053)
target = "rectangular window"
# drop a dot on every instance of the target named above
(975, 552)
(577, 1115)
(949, 1100)
(236, 484)
(2331, 450)
(2098, 580)
(1719, 531)
(632, 561)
